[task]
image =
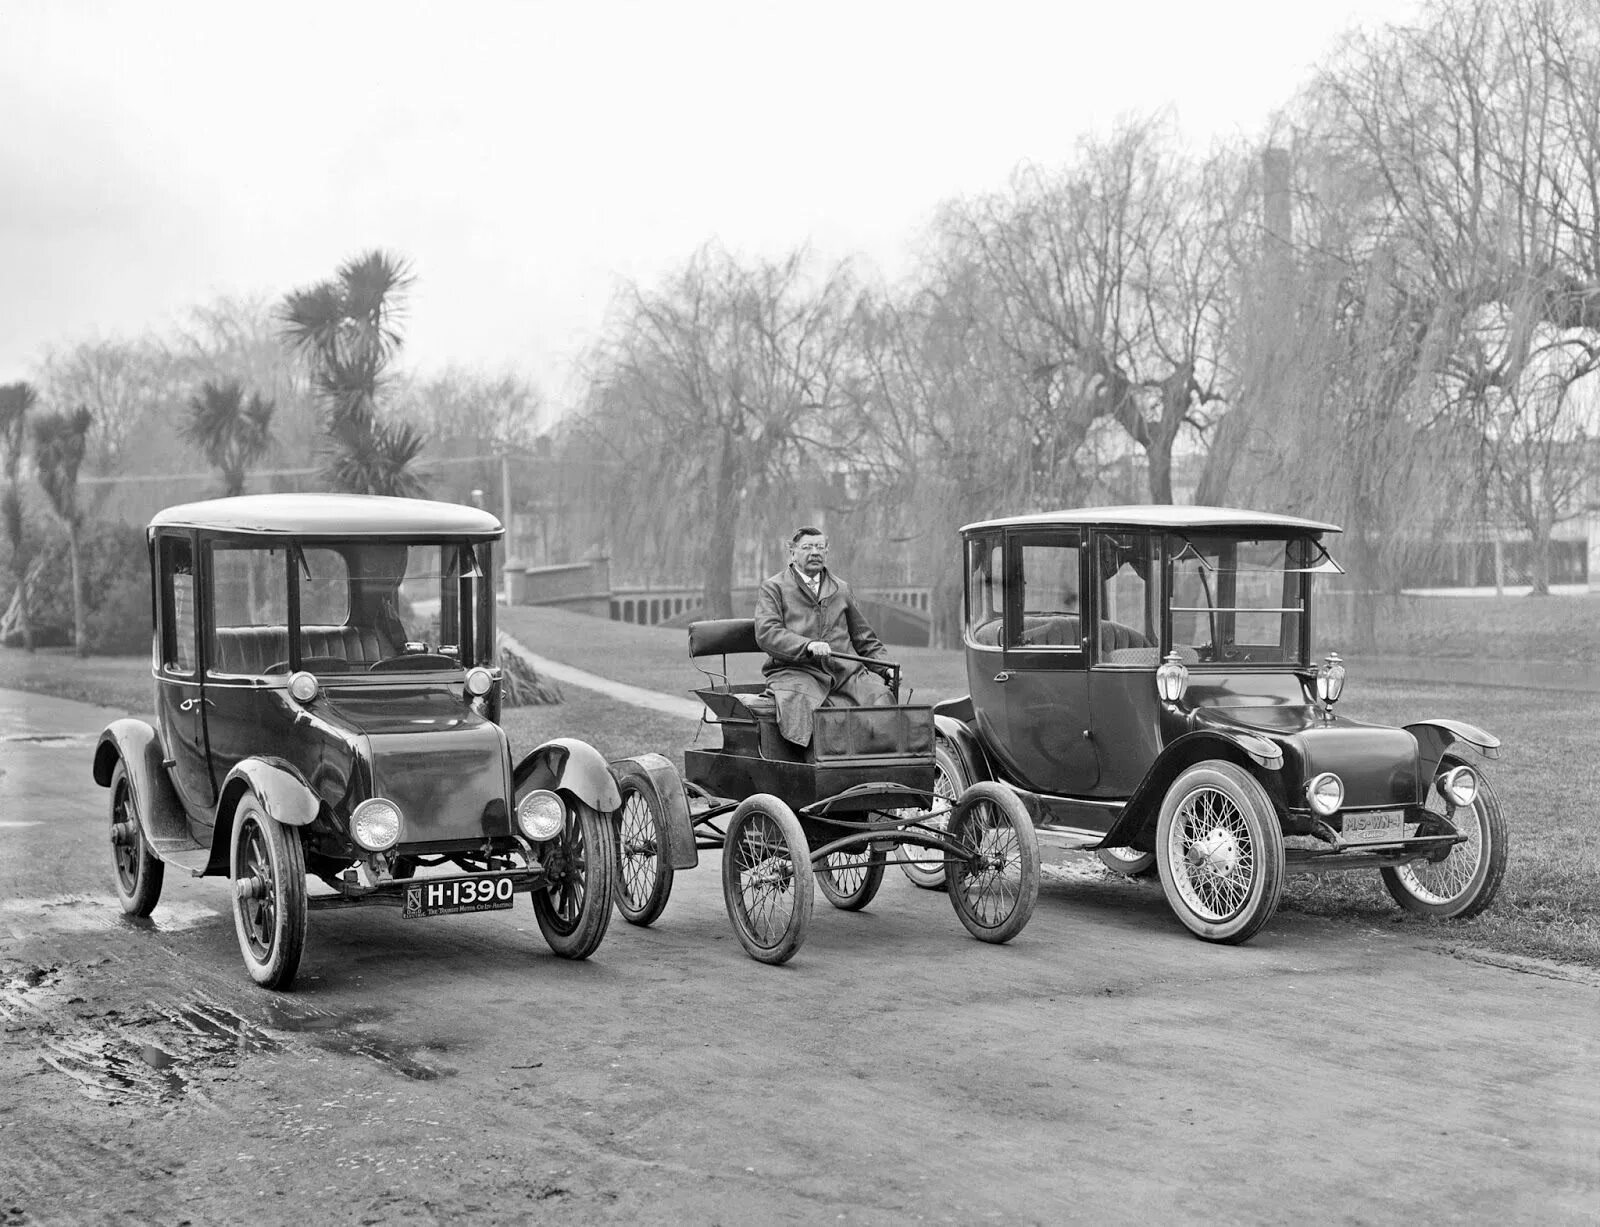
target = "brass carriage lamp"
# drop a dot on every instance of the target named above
(1172, 678)
(1330, 680)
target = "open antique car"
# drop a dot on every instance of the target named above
(1143, 677)
(327, 697)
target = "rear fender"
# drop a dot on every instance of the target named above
(1434, 737)
(681, 852)
(137, 746)
(284, 795)
(1135, 827)
(965, 744)
(566, 764)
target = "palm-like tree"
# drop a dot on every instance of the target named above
(347, 330)
(59, 443)
(16, 402)
(232, 433)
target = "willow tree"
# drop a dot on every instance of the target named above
(60, 441)
(16, 402)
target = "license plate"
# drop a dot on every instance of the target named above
(490, 892)
(1375, 827)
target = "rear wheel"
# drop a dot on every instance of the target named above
(573, 907)
(995, 885)
(850, 880)
(644, 879)
(1465, 881)
(924, 865)
(766, 879)
(1219, 849)
(268, 869)
(140, 872)
(1127, 862)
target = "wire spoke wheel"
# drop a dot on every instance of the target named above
(1219, 849)
(644, 878)
(994, 884)
(925, 866)
(1464, 882)
(767, 879)
(574, 907)
(850, 878)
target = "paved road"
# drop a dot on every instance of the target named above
(1105, 1067)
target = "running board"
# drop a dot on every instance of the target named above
(1071, 839)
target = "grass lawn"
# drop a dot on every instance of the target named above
(1546, 777)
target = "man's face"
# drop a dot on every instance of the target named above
(809, 555)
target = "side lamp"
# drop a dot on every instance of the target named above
(1172, 678)
(1330, 679)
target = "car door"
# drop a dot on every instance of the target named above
(180, 683)
(1045, 686)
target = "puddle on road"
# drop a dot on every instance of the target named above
(350, 1035)
(96, 913)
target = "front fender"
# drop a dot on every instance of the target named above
(137, 746)
(1434, 737)
(284, 795)
(1135, 826)
(567, 764)
(964, 743)
(680, 851)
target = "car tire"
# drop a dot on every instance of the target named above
(850, 880)
(267, 870)
(573, 907)
(995, 886)
(1219, 850)
(1127, 862)
(767, 879)
(949, 782)
(644, 878)
(139, 871)
(1465, 882)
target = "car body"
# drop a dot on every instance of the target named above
(1143, 677)
(327, 698)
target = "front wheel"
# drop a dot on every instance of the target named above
(850, 880)
(994, 883)
(267, 867)
(1465, 881)
(1219, 849)
(140, 872)
(573, 907)
(766, 879)
(949, 782)
(644, 879)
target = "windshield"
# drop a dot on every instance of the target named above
(1241, 600)
(423, 605)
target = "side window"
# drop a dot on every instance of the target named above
(1050, 579)
(177, 605)
(324, 587)
(1128, 590)
(250, 603)
(986, 598)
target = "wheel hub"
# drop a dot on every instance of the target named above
(1215, 852)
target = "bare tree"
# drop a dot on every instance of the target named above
(60, 441)
(16, 403)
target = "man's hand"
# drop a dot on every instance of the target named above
(819, 648)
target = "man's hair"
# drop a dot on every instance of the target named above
(806, 530)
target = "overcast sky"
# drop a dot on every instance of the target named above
(528, 157)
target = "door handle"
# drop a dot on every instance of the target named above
(191, 704)
(1003, 676)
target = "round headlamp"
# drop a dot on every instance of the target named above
(478, 682)
(1325, 794)
(303, 686)
(541, 814)
(1459, 786)
(375, 825)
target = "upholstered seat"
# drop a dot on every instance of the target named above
(251, 650)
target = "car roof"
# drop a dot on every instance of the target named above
(1155, 515)
(330, 515)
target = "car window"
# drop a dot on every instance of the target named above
(1238, 599)
(1128, 592)
(178, 605)
(986, 601)
(1048, 572)
(249, 586)
(324, 587)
